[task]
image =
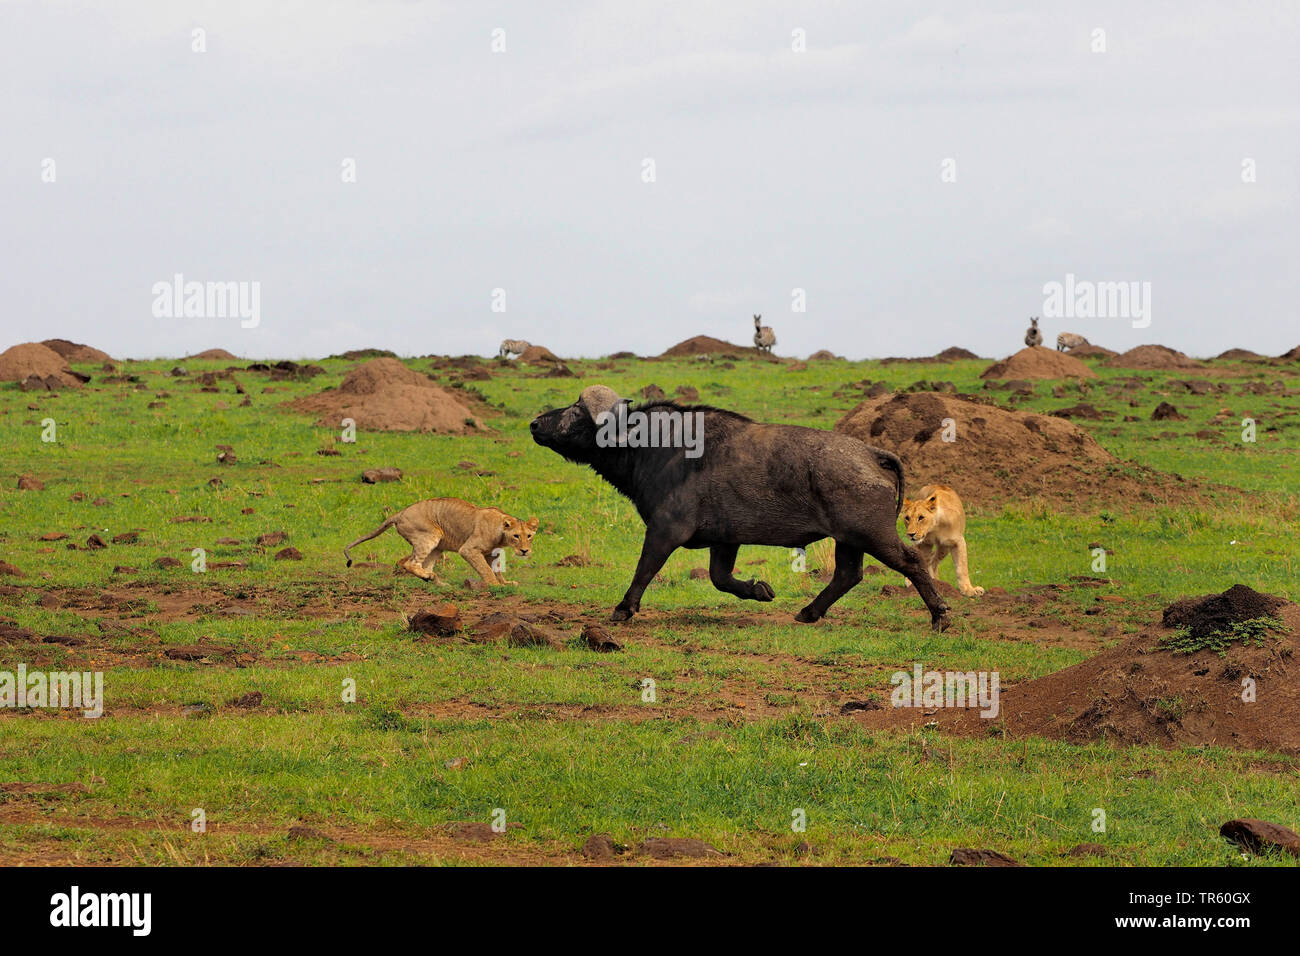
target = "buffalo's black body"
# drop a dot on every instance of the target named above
(753, 483)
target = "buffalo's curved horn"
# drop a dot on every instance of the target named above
(597, 399)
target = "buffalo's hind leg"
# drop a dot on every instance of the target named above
(654, 552)
(848, 572)
(722, 564)
(907, 561)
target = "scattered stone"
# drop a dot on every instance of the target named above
(442, 620)
(375, 476)
(1260, 836)
(968, 857)
(599, 639)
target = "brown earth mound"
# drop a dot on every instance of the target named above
(1092, 351)
(1238, 354)
(1152, 357)
(76, 352)
(705, 345)
(536, 354)
(385, 395)
(1038, 362)
(823, 355)
(998, 455)
(1144, 691)
(954, 353)
(34, 360)
(214, 354)
(1292, 356)
(1212, 613)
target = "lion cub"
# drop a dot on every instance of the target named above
(436, 525)
(936, 524)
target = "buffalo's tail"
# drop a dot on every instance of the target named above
(889, 461)
(366, 537)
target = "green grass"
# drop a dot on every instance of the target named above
(745, 728)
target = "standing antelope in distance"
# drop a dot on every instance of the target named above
(764, 337)
(1068, 340)
(1033, 337)
(512, 347)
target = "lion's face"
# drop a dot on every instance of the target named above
(519, 535)
(918, 517)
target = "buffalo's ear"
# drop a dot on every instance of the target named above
(531, 524)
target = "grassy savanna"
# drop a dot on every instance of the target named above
(745, 728)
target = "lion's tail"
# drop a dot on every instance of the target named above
(366, 537)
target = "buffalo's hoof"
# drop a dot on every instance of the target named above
(761, 591)
(940, 623)
(620, 614)
(807, 616)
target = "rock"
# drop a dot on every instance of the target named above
(1260, 836)
(852, 706)
(526, 634)
(1087, 849)
(30, 483)
(442, 620)
(599, 639)
(375, 476)
(666, 848)
(968, 857)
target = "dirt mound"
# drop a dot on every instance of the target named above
(221, 354)
(954, 353)
(1092, 351)
(1158, 687)
(356, 355)
(32, 360)
(1152, 357)
(998, 455)
(1211, 613)
(823, 355)
(705, 345)
(1038, 362)
(76, 352)
(1292, 356)
(535, 354)
(385, 395)
(1238, 354)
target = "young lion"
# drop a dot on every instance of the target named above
(450, 524)
(936, 524)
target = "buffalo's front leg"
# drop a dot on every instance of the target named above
(654, 552)
(848, 572)
(722, 564)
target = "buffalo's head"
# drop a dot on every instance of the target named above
(571, 431)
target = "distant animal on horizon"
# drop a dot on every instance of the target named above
(784, 486)
(764, 337)
(936, 524)
(436, 525)
(513, 347)
(1068, 340)
(1033, 337)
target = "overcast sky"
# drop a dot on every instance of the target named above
(921, 171)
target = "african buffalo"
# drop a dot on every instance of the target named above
(729, 481)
